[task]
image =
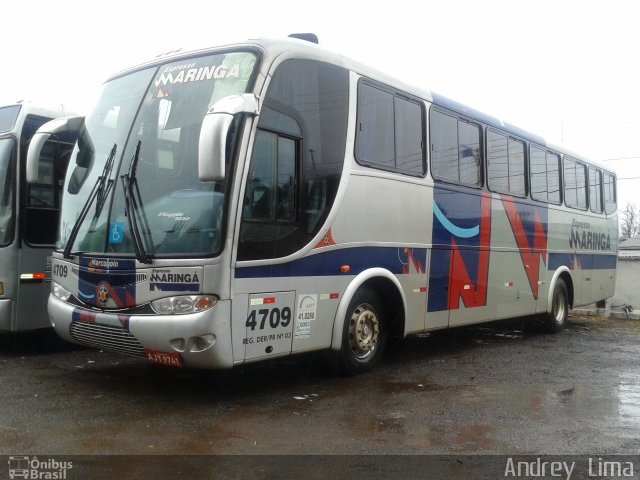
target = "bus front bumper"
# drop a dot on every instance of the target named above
(199, 340)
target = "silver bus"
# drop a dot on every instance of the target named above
(29, 216)
(267, 198)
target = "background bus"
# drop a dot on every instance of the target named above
(268, 198)
(29, 215)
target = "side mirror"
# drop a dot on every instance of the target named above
(63, 125)
(213, 134)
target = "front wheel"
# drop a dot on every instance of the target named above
(364, 334)
(556, 319)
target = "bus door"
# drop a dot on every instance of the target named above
(8, 247)
(39, 215)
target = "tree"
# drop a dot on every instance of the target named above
(629, 222)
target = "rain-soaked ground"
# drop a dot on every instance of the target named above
(495, 389)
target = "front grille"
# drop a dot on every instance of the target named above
(108, 338)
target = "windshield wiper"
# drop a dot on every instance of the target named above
(133, 207)
(99, 191)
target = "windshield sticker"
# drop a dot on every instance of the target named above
(116, 234)
(162, 92)
(176, 216)
(189, 73)
(167, 280)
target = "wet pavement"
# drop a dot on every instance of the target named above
(495, 389)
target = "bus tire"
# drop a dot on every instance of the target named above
(556, 318)
(364, 334)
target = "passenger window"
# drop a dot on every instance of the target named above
(575, 194)
(444, 146)
(390, 131)
(409, 127)
(609, 193)
(455, 149)
(553, 177)
(505, 164)
(375, 144)
(545, 175)
(595, 190)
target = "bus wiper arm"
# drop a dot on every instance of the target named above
(100, 191)
(134, 207)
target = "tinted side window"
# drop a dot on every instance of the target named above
(455, 149)
(575, 183)
(595, 190)
(553, 177)
(570, 187)
(375, 142)
(505, 164)
(270, 193)
(444, 146)
(297, 159)
(581, 185)
(497, 162)
(538, 167)
(609, 193)
(409, 136)
(390, 131)
(545, 175)
(517, 184)
(469, 137)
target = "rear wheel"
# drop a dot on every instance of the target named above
(556, 318)
(364, 334)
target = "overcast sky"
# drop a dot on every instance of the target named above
(567, 70)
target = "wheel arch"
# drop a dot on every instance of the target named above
(380, 280)
(565, 274)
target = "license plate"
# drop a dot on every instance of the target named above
(170, 359)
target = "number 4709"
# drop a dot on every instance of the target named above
(277, 317)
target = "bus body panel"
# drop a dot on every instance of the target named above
(153, 337)
(9, 279)
(33, 292)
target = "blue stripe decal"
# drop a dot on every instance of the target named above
(328, 263)
(453, 229)
(582, 261)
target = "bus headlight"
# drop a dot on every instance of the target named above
(60, 292)
(183, 304)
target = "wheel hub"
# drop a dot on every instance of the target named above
(364, 331)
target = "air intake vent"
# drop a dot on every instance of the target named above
(113, 339)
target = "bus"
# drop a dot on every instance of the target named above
(267, 198)
(29, 215)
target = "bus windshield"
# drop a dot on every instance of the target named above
(7, 151)
(138, 153)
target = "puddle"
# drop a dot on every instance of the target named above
(401, 387)
(629, 399)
